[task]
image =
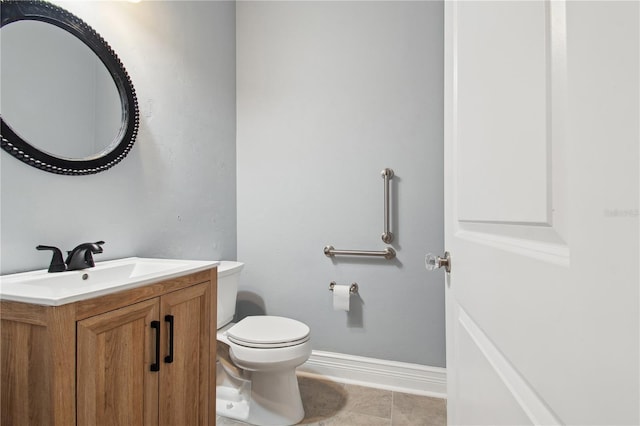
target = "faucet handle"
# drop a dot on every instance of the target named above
(57, 262)
(97, 247)
(88, 254)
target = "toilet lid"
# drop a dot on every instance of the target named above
(268, 331)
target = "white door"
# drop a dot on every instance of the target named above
(541, 208)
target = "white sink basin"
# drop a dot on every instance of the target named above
(54, 289)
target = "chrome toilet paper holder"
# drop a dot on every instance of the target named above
(353, 289)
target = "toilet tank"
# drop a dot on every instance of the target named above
(228, 276)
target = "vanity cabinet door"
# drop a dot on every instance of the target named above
(184, 369)
(115, 384)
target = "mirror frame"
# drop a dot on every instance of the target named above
(19, 10)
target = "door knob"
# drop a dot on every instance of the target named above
(433, 262)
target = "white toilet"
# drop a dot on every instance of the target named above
(266, 350)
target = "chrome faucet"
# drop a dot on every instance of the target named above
(81, 257)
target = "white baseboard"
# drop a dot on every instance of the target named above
(377, 373)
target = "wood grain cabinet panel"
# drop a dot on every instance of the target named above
(115, 384)
(184, 380)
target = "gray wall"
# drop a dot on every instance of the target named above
(174, 195)
(329, 94)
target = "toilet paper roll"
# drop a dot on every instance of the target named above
(341, 297)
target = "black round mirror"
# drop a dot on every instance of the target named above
(67, 105)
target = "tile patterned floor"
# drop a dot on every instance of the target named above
(329, 403)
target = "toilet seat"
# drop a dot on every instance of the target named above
(267, 332)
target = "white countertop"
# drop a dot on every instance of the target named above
(59, 288)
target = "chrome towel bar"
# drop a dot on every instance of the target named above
(387, 253)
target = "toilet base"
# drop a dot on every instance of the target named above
(275, 400)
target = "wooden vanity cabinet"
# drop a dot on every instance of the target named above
(94, 362)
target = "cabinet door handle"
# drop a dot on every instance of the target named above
(156, 365)
(169, 358)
